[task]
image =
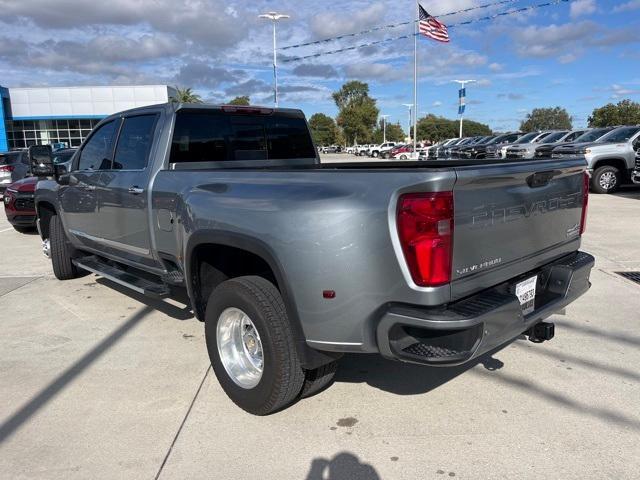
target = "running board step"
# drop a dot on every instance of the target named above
(126, 279)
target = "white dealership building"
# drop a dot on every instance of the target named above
(66, 115)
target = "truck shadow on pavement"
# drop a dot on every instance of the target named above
(405, 378)
(344, 466)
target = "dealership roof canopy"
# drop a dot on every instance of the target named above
(85, 102)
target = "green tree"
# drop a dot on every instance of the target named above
(471, 128)
(394, 133)
(547, 119)
(434, 129)
(323, 129)
(243, 100)
(358, 112)
(186, 95)
(625, 112)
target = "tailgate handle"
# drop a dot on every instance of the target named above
(540, 179)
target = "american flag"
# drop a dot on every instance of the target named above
(432, 28)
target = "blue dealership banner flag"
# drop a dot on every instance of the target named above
(462, 93)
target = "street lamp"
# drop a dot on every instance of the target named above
(409, 106)
(274, 17)
(462, 105)
(384, 127)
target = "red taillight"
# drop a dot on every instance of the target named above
(425, 228)
(585, 202)
(7, 168)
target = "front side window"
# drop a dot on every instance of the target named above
(134, 143)
(96, 154)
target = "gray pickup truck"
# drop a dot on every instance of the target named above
(610, 159)
(291, 263)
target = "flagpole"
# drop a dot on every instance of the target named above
(415, 80)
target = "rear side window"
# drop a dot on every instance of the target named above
(134, 143)
(208, 136)
(96, 154)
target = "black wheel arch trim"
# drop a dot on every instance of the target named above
(309, 357)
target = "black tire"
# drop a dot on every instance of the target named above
(375, 154)
(599, 183)
(61, 251)
(282, 376)
(318, 379)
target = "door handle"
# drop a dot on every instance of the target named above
(86, 187)
(136, 190)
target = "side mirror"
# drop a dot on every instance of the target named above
(41, 161)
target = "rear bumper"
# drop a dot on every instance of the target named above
(462, 331)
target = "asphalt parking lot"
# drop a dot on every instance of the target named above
(98, 382)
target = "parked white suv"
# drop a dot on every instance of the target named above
(376, 150)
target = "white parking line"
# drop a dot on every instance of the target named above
(6, 229)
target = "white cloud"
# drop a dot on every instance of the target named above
(582, 7)
(627, 7)
(568, 58)
(495, 67)
(618, 91)
(436, 104)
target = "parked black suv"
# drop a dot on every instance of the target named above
(490, 148)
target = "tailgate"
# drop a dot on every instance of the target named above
(513, 217)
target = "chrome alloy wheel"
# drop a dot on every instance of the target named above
(608, 180)
(240, 347)
(46, 248)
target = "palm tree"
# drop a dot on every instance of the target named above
(186, 95)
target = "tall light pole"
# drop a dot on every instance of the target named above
(384, 127)
(274, 17)
(462, 98)
(409, 106)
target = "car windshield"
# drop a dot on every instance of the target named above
(499, 139)
(486, 140)
(61, 157)
(526, 138)
(553, 137)
(592, 135)
(622, 134)
(9, 158)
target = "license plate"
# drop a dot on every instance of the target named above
(526, 293)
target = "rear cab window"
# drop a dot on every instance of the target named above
(235, 139)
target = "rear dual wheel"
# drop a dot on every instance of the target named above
(252, 347)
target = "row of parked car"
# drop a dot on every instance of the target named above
(389, 150)
(610, 152)
(18, 185)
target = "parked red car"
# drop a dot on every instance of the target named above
(19, 205)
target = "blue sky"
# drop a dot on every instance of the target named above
(578, 55)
